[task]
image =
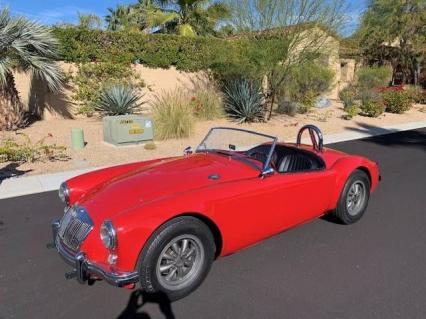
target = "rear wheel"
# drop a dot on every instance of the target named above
(354, 198)
(177, 258)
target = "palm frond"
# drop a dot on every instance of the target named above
(29, 46)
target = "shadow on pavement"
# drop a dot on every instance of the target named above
(139, 298)
(413, 138)
(11, 170)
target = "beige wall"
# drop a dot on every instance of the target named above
(35, 96)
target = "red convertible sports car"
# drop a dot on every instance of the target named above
(161, 223)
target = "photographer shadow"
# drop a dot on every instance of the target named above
(139, 298)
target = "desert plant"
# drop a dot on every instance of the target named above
(29, 47)
(173, 116)
(418, 95)
(13, 150)
(397, 101)
(288, 107)
(372, 77)
(306, 82)
(348, 96)
(92, 78)
(372, 107)
(119, 99)
(351, 112)
(243, 101)
(207, 103)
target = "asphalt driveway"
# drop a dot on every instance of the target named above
(373, 269)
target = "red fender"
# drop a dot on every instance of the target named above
(344, 167)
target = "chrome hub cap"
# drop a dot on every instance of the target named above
(180, 262)
(355, 198)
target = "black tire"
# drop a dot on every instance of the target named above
(349, 215)
(185, 227)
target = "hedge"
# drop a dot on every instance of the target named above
(154, 50)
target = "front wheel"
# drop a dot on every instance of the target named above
(177, 258)
(354, 198)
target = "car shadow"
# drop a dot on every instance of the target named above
(11, 170)
(329, 217)
(139, 298)
(391, 137)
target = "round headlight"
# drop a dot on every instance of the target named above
(64, 193)
(108, 235)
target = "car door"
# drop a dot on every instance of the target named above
(261, 207)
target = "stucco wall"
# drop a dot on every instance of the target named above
(36, 97)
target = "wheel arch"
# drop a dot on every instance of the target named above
(217, 235)
(344, 168)
(365, 170)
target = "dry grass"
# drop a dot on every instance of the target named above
(173, 116)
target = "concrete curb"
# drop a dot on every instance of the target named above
(19, 186)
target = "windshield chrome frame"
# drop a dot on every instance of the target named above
(266, 167)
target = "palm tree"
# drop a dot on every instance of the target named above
(118, 18)
(89, 21)
(26, 46)
(193, 17)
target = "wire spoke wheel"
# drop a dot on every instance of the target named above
(180, 262)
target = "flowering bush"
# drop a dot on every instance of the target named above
(397, 101)
(394, 88)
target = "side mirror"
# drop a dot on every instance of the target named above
(267, 172)
(188, 151)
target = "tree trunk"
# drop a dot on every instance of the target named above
(272, 106)
(12, 115)
(8, 94)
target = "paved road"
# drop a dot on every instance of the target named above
(373, 269)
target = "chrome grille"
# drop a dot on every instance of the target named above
(75, 226)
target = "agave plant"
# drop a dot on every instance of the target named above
(119, 99)
(26, 46)
(243, 101)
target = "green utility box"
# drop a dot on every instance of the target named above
(127, 129)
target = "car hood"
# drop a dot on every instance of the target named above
(160, 180)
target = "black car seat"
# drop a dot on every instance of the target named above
(295, 162)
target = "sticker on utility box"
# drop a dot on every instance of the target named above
(148, 124)
(136, 129)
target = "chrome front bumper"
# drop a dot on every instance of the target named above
(87, 271)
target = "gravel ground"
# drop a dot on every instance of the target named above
(98, 153)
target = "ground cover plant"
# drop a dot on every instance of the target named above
(21, 149)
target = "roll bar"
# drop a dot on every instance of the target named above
(317, 142)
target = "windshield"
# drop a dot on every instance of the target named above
(241, 144)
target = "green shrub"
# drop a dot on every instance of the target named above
(92, 78)
(306, 82)
(397, 101)
(243, 101)
(119, 99)
(372, 77)
(13, 150)
(172, 115)
(154, 50)
(372, 107)
(348, 96)
(351, 112)
(207, 103)
(417, 94)
(288, 107)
